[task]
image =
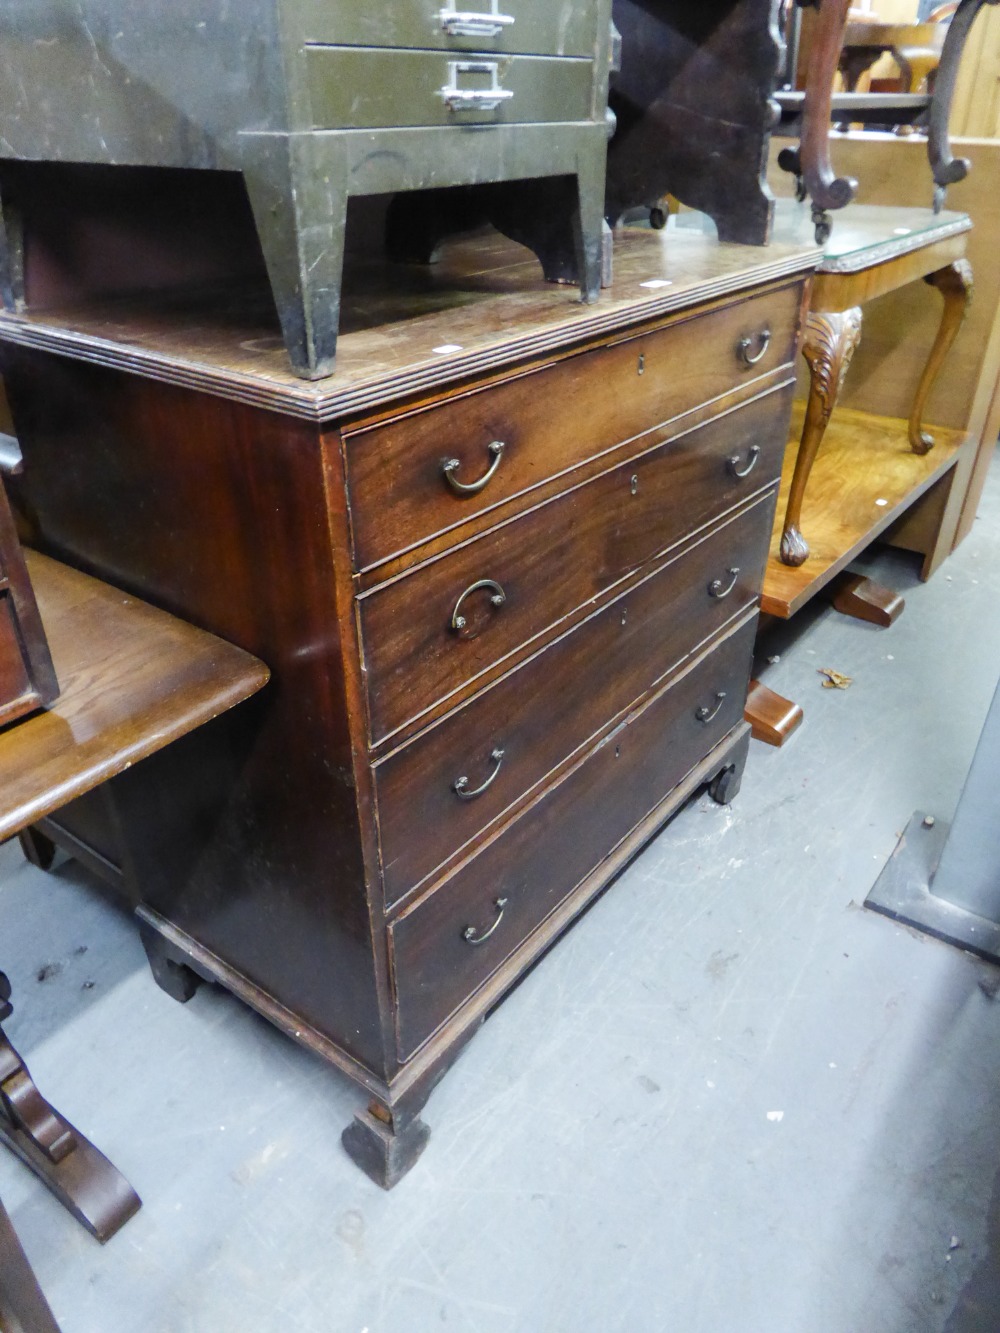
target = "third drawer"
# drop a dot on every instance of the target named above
(444, 788)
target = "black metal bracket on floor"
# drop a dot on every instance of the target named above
(81, 1178)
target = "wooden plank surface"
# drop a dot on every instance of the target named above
(405, 328)
(132, 680)
(864, 460)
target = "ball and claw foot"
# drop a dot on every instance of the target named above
(794, 548)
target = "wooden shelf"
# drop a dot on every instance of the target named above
(863, 459)
(132, 679)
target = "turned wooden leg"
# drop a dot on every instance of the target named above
(954, 282)
(828, 345)
(385, 1141)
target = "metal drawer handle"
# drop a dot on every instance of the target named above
(461, 785)
(715, 588)
(474, 99)
(465, 23)
(744, 345)
(451, 465)
(458, 621)
(705, 714)
(469, 933)
(733, 463)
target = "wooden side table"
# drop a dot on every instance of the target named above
(132, 679)
(874, 251)
(835, 500)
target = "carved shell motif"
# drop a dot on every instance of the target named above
(828, 346)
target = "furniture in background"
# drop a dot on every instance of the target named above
(27, 678)
(915, 47)
(693, 109)
(498, 489)
(318, 102)
(133, 680)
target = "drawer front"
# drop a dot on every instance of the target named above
(367, 88)
(511, 736)
(549, 421)
(431, 632)
(533, 27)
(539, 858)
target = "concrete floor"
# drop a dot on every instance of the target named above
(730, 1101)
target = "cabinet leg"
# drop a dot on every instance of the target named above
(828, 345)
(725, 786)
(168, 966)
(385, 1141)
(37, 848)
(954, 282)
(300, 210)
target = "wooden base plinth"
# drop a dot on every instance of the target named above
(865, 478)
(864, 599)
(772, 717)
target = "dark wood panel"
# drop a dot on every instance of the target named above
(27, 677)
(218, 513)
(537, 860)
(555, 559)
(17, 696)
(539, 714)
(551, 421)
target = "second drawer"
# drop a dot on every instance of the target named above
(440, 791)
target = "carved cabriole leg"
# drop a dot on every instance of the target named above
(826, 190)
(955, 284)
(827, 346)
(947, 170)
(385, 1141)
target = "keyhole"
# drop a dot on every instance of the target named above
(642, 362)
(634, 484)
(618, 751)
(624, 614)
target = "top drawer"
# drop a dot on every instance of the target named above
(402, 485)
(533, 27)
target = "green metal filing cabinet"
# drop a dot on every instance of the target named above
(313, 101)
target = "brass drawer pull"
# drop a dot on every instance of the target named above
(706, 714)
(733, 463)
(451, 465)
(461, 785)
(744, 345)
(716, 589)
(458, 621)
(469, 933)
(465, 23)
(474, 99)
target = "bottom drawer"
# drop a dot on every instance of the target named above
(448, 944)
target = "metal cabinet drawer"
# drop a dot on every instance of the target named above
(371, 88)
(534, 27)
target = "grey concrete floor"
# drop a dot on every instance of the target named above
(730, 1101)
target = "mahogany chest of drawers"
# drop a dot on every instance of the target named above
(506, 580)
(313, 102)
